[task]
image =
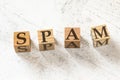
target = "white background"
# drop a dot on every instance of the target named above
(85, 63)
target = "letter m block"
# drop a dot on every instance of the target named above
(100, 35)
(22, 42)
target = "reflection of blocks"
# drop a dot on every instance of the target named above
(46, 40)
(100, 35)
(72, 37)
(22, 41)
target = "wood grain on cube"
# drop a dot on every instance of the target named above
(22, 42)
(46, 40)
(72, 37)
(100, 35)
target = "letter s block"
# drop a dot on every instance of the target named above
(100, 35)
(22, 42)
(46, 40)
(72, 37)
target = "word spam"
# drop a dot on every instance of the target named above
(46, 40)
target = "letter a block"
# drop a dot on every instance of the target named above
(72, 37)
(22, 42)
(46, 40)
(100, 35)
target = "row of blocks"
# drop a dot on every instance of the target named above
(22, 41)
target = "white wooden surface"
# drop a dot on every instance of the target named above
(85, 63)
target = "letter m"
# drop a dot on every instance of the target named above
(100, 33)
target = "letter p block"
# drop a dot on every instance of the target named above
(22, 42)
(100, 35)
(46, 40)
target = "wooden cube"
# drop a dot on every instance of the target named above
(46, 40)
(100, 35)
(22, 42)
(72, 37)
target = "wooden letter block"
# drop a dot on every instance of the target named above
(46, 40)
(72, 37)
(22, 42)
(100, 35)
